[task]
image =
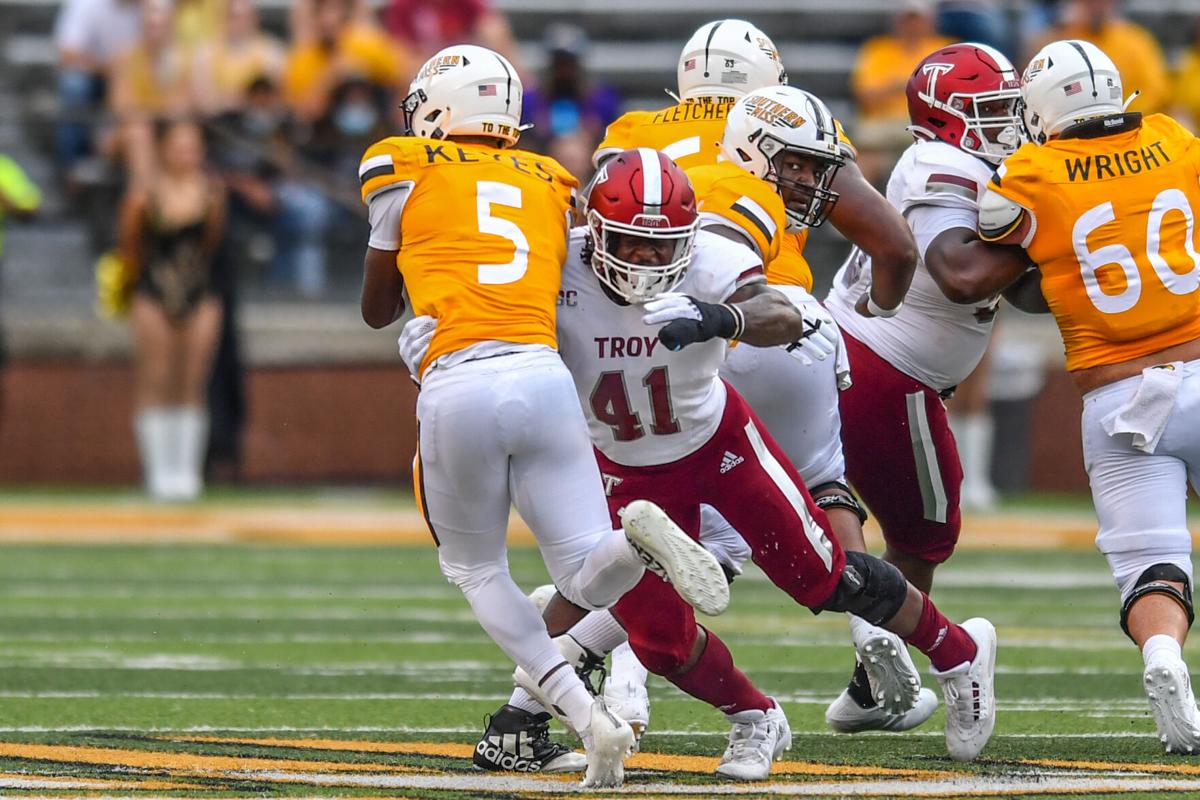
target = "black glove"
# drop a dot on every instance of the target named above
(690, 320)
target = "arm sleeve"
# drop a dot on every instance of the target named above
(926, 222)
(385, 209)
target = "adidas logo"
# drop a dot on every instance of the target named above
(729, 461)
(496, 752)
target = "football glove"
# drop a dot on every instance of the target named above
(414, 343)
(689, 320)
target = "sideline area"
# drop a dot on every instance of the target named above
(379, 517)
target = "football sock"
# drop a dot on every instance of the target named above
(715, 680)
(1160, 643)
(945, 642)
(525, 701)
(626, 667)
(598, 632)
(512, 621)
(610, 570)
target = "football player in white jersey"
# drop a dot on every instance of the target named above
(900, 453)
(667, 428)
(692, 134)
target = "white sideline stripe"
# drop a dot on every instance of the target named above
(1041, 782)
(816, 536)
(932, 490)
(399, 615)
(1017, 706)
(475, 731)
(340, 592)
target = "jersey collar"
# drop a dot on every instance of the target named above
(1103, 126)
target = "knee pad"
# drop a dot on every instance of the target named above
(870, 588)
(470, 579)
(1153, 581)
(837, 494)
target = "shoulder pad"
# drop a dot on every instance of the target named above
(386, 163)
(937, 174)
(618, 136)
(737, 198)
(720, 267)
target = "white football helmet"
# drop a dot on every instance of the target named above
(728, 58)
(1068, 81)
(465, 90)
(766, 124)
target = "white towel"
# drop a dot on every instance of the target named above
(1146, 414)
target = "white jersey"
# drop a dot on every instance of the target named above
(644, 404)
(936, 187)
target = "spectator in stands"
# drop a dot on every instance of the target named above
(974, 21)
(170, 234)
(20, 198)
(227, 65)
(254, 150)
(333, 40)
(1186, 92)
(566, 106)
(427, 26)
(198, 22)
(1132, 48)
(89, 34)
(880, 74)
(150, 80)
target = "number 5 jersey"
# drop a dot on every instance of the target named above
(482, 235)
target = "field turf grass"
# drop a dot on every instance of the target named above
(223, 670)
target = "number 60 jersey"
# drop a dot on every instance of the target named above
(645, 404)
(482, 236)
(1114, 231)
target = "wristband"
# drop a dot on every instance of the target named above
(879, 311)
(739, 321)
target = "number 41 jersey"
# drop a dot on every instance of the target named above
(482, 236)
(646, 405)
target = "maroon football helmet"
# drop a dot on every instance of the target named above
(967, 95)
(641, 193)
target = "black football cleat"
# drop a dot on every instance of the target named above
(518, 741)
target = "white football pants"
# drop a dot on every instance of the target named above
(509, 430)
(1140, 497)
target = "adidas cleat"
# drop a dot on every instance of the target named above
(518, 741)
(675, 557)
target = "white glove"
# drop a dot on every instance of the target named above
(823, 339)
(821, 335)
(414, 342)
(668, 306)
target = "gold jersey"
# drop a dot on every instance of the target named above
(483, 237)
(1114, 232)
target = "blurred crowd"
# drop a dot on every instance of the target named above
(921, 26)
(209, 152)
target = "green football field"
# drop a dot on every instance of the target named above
(237, 669)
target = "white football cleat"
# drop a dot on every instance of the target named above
(846, 716)
(608, 741)
(1169, 688)
(630, 702)
(757, 739)
(675, 557)
(970, 693)
(895, 682)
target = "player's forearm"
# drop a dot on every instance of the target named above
(867, 219)
(770, 319)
